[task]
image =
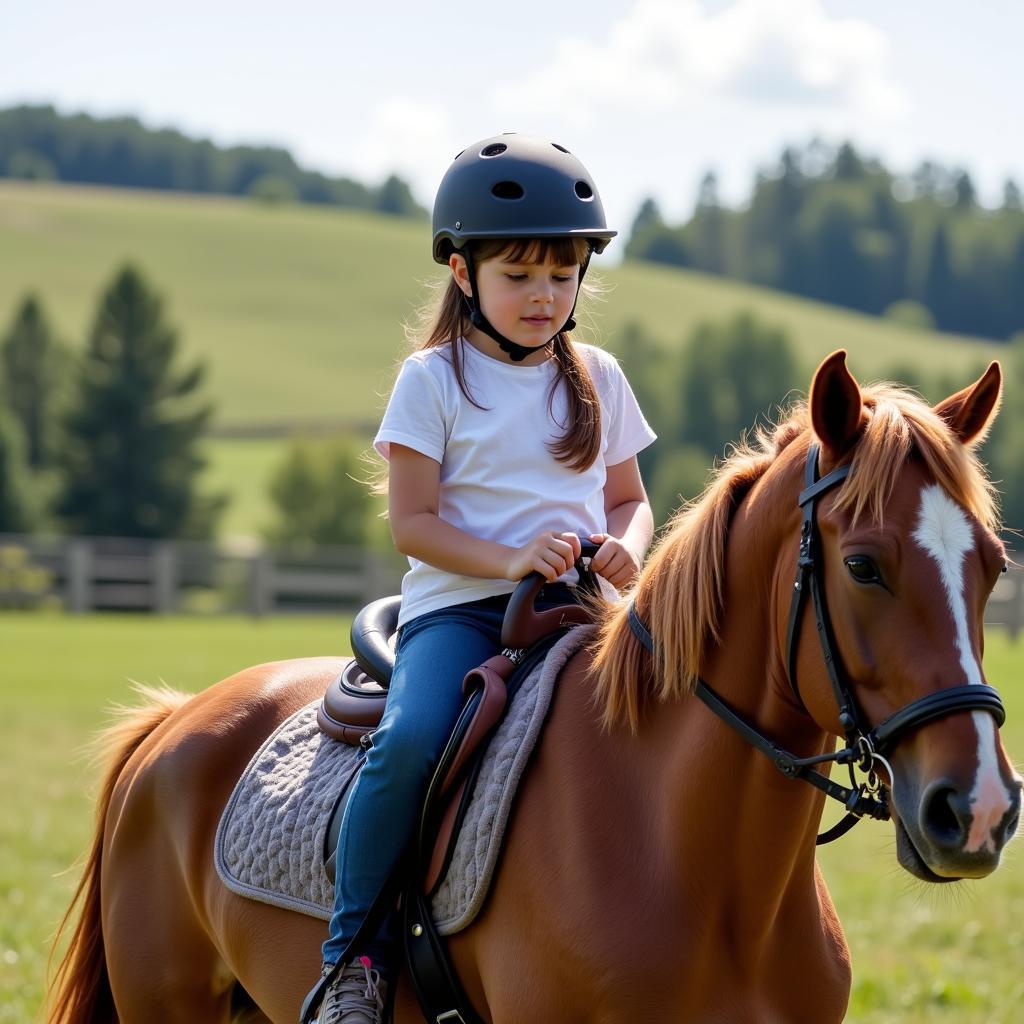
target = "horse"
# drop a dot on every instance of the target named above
(657, 866)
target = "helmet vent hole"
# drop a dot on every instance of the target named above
(584, 191)
(561, 149)
(494, 149)
(508, 190)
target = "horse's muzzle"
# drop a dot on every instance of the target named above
(951, 836)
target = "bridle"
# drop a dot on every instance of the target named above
(865, 746)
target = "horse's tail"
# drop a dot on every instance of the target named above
(80, 989)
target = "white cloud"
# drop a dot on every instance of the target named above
(671, 55)
(410, 137)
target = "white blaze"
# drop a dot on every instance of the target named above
(945, 532)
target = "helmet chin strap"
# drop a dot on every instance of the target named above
(516, 352)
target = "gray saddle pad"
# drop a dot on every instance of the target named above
(270, 840)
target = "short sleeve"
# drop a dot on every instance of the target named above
(415, 416)
(628, 431)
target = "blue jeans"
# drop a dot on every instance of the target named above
(433, 654)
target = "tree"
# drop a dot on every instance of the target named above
(646, 365)
(1011, 195)
(848, 165)
(15, 512)
(31, 364)
(733, 374)
(709, 227)
(130, 457)
(395, 197)
(939, 281)
(317, 496)
(964, 190)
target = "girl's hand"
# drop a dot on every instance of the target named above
(614, 561)
(550, 554)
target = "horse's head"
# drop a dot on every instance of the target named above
(909, 557)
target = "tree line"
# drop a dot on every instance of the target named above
(703, 392)
(38, 143)
(838, 227)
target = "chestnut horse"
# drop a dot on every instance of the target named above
(657, 866)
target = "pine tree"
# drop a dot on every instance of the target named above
(15, 515)
(31, 379)
(939, 282)
(130, 457)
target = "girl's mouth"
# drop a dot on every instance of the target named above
(538, 320)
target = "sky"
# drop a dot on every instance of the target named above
(649, 94)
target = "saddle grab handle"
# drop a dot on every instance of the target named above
(524, 625)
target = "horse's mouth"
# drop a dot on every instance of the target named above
(909, 857)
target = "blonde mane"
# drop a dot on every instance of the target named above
(679, 591)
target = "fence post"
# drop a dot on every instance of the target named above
(1014, 616)
(165, 577)
(79, 575)
(261, 584)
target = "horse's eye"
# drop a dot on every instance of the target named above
(863, 569)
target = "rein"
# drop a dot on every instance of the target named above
(864, 746)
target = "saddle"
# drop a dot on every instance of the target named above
(352, 708)
(354, 702)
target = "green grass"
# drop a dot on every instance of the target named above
(298, 309)
(60, 674)
(922, 955)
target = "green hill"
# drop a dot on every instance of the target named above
(299, 309)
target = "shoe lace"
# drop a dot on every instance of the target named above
(357, 988)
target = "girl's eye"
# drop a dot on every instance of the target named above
(516, 277)
(563, 278)
(863, 569)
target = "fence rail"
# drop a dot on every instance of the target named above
(83, 574)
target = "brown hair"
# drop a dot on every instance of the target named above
(448, 322)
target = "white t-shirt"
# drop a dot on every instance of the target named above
(498, 481)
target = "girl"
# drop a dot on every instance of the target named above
(505, 443)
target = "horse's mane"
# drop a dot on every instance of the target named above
(679, 591)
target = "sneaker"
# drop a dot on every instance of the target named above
(356, 996)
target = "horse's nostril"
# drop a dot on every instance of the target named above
(1011, 826)
(941, 820)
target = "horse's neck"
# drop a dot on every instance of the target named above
(730, 826)
(755, 808)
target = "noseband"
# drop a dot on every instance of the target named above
(865, 746)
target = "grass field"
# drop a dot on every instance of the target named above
(941, 956)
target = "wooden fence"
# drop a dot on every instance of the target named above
(83, 574)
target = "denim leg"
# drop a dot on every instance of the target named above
(434, 653)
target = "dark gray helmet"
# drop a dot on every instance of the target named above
(516, 186)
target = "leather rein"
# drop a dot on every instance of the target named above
(865, 746)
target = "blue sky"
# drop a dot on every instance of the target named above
(648, 93)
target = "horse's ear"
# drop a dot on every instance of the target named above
(970, 412)
(837, 410)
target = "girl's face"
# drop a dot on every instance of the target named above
(526, 302)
